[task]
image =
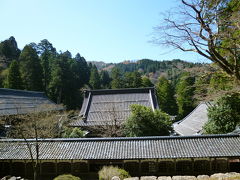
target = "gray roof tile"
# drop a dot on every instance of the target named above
(101, 106)
(127, 148)
(14, 102)
(194, 122)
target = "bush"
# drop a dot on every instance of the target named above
(73, 133)
(224, 115)
(146, 122)
(107, 172)
(66, 177)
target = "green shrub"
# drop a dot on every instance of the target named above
(73, 133)
(66, 177)
(146, 122)
(224, 115)
(107, 172)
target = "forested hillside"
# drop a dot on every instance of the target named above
(171, 69)
(180, 85)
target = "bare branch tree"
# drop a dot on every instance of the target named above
(31, 128)
(204, 27)
(111, 126)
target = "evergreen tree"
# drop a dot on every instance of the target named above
(105, 79)
(94, 80)
(63, 86)
(31, 69)
(14, 80)
(56, 82)
(185, 91)
(132, 79)
(47, 53)
(117, 80)
(165, 94)
(84, 71)
(146, 82)
(9, 49)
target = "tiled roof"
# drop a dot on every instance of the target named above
(14, 102)
(101, 106)
(194, 122)
(126, 148)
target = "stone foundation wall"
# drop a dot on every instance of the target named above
(218, 176)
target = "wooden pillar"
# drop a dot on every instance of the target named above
(192, 159)
(123, 164)
(139, 167)
(40, 167)
(56, 168)
(210, 166)
(11, 168)
(88, 166)
(228, 165)
(25, 168)
(71, 166)
(175, 167)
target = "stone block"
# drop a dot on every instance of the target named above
(148, 178)
(132, 178)
(218, 176)
(203, 177)
(164, 178)
(115, 178)
(184, 178)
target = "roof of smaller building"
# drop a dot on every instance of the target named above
(101, 107)
(169, 147)
(193, 123)
(14, 102)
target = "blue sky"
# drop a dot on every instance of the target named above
(100, 30)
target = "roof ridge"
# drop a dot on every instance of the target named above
(134, 90)
(123, 138)
(192, 111)
(19, 90)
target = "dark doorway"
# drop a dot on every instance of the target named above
(234, 166)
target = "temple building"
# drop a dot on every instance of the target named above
(15, 102)
(193, 123)
(103, 107)
(18, 102)
(140, 156)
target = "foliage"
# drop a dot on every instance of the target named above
(46, 51)
(66, 177)
(62, 77)
(14, 80)
(117, 79)
(31, 70)
(94, 80)
(132, 80)
(143, 121)
(146, 82)
(43, 68)
(65, 82)
(107, 172)
(105, 79)
(224, 115)
(202, 86)
(73, 133)
(153, 69)
(165, 94)
(220, 81)
(9, 49)
(184, 92)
